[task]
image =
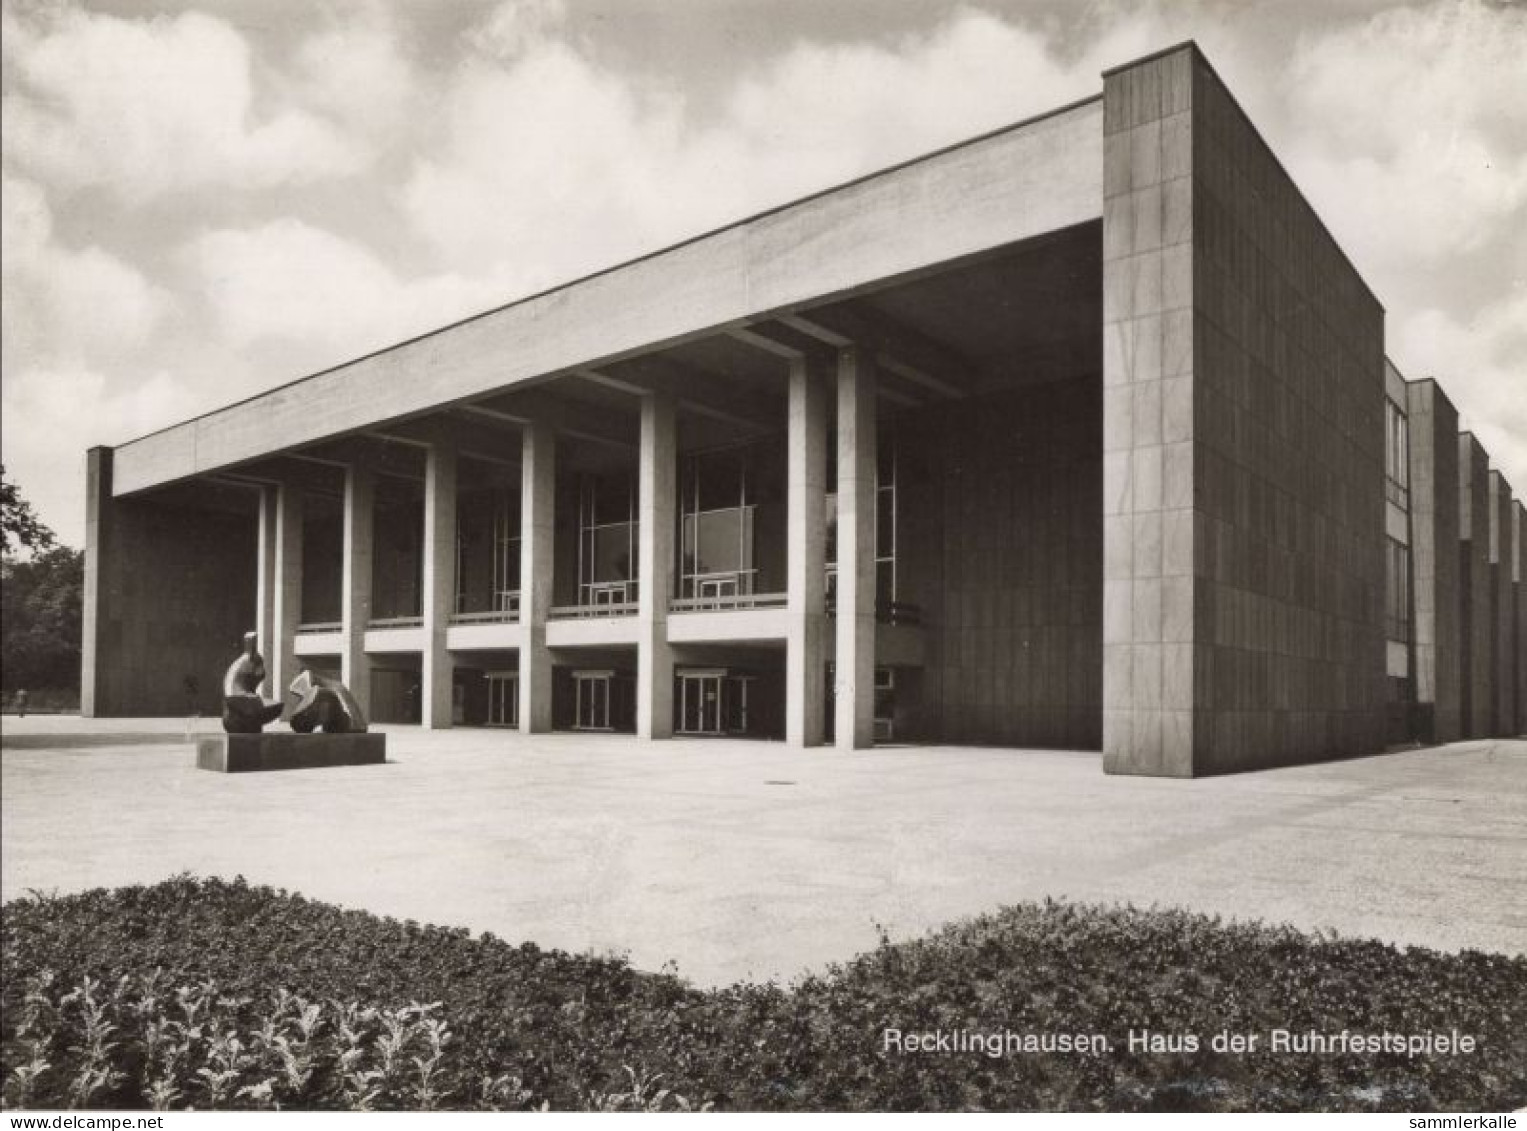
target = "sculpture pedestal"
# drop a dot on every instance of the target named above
(239, 753)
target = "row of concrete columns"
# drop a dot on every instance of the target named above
(1468, 555)
(853, 648)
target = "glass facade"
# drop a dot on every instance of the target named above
(397, 576)
(607, 536)
(488, 552)
(886, 523)
(1396, 454)
(732, 522)
(1397, 591)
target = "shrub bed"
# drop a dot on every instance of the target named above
(216, 994)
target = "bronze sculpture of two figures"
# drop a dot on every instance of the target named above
(322, 703)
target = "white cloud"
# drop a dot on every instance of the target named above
(1407, 131)
(51, 414)
(550, 161)
(1479, 363)
(84, 305)
(150, 107)
(517, 26)
(1410, 131)
(359, 74)
(290, 282)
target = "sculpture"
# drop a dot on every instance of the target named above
(244, 712)
(325, 704)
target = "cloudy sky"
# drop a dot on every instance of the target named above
(202, 200)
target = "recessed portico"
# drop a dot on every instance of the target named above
(751, 514)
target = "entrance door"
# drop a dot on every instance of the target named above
(700, 703)
(593, 706)
(503, 699)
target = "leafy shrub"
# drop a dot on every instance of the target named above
(215, 994)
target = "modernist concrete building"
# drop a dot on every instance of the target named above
(1079, 433)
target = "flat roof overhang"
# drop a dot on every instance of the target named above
(927, 215)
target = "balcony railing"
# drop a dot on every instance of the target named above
(728, 601)
(487, 616)
(899, 612)
(889, 612)
(396, 622)
(319, 627)
(606, 609)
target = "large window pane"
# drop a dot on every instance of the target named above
(720, 475)
(612, 553)
(885, 585)
(611, 497)
(720, 542)
(885, 523)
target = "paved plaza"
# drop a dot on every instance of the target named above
(747, 859)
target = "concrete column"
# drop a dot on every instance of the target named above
(1434, 560)
(854, 684)
(439, 584)
(265, 582)
(1519, 585)
(1477, 699)
(1502, 607)
(657, 496)
(168, 594)
(1222, 650)
(806, 561)
(286, 590)
(538, 471)
(96, 615)
(360, 523)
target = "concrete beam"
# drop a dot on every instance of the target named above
(790, 345)
(693, 390)
(899, 349)
(383, 455)
(475, 439)
(783, 342)
(968, 200)
(325, 477)
(561, 416)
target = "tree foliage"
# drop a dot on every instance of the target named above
(40, 603)
(20, 528)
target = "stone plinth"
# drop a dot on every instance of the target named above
(237, 753)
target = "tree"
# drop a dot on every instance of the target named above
(18, 523)
(41, 599)
(40, 604)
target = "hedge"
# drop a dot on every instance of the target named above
(205, 993)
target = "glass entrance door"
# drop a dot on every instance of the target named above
(700, 703)
(593, 702)
(503, 699)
